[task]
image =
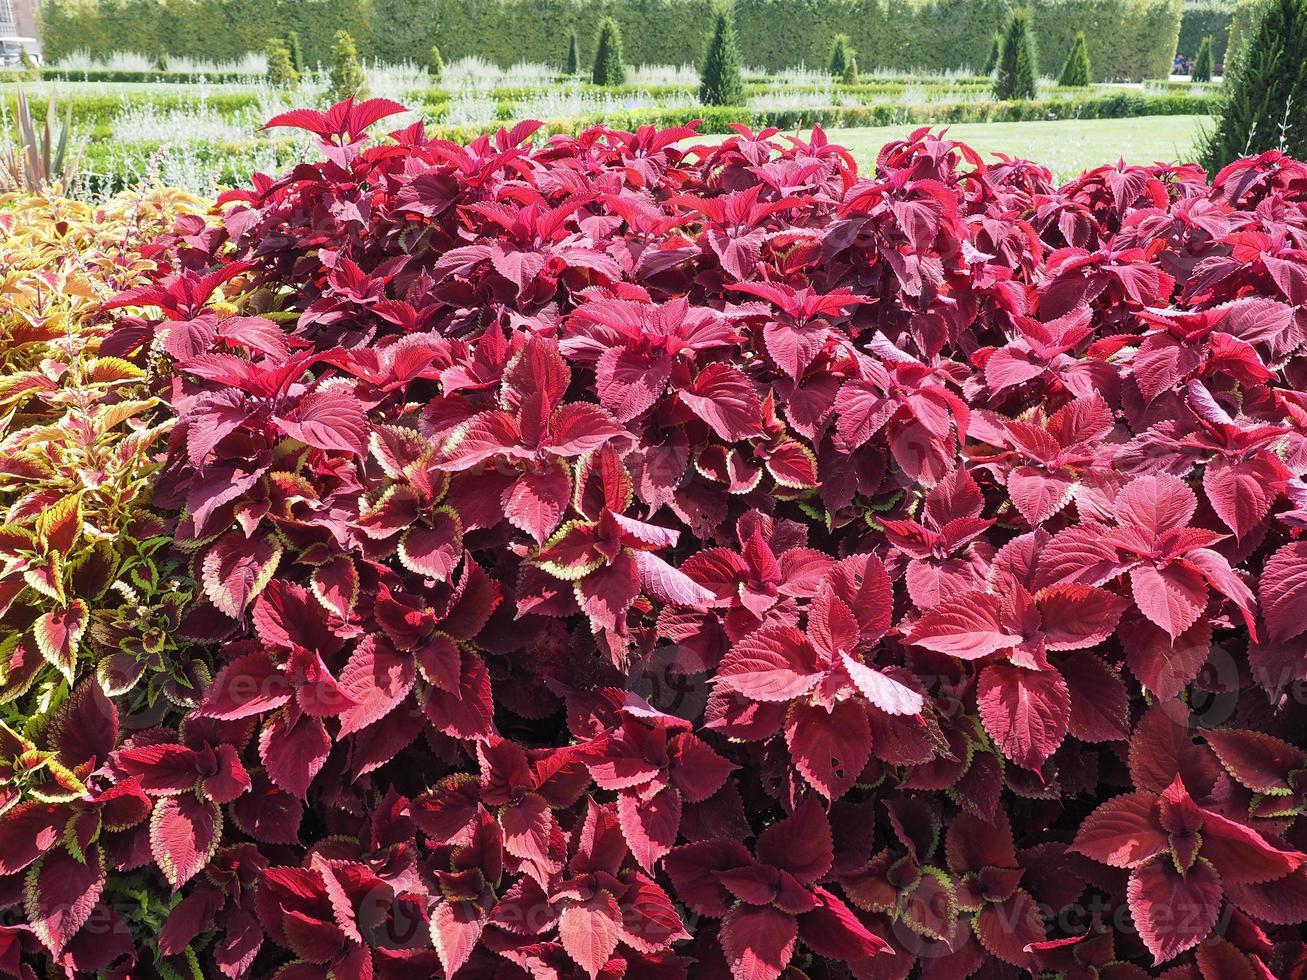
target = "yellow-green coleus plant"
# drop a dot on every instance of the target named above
(78, 430)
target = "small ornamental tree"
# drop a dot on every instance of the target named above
(609, 64)
(281, 70)
(1263, 101)
(296, 52)
(1075, 72)
(1202, 70)
(572, 63)
(436, 64)
(721, 80)
(850, 76)
(840, 51)
(346, 79)
(1018, 62)
(995, 49)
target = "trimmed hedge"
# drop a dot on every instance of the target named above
(114, 76)
(1202, 18)
(1128, 39)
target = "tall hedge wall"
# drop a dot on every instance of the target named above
(1128, 39)
(1202, 18)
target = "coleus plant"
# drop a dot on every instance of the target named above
(610, 556)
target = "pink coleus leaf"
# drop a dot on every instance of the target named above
(184, 833)
(650, 823)
(1242, 493)
(1172, 597)
(590, 930)
(537, 500)
(330, 419)
(887, 693)
(967, 626)
(236, 569)
(1027, 712)
(58, 635)
(433, 550)
(724, 397)
(528, 827)
(1284, 591)
(773, 664)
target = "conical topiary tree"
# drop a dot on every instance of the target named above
(1018, 63)
(840, 52)
(609, 68)
(1075, 73)
(1202, 71)
(721, 81)
(1263, 105)
(346, 78)
(436, 67)
(994, 49)
(296, 52)
(572, 65)
(850, 76)
(281, 72)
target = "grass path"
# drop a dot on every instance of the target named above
(1065, 146)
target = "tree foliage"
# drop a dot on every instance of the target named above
(609, 63)
(572, 62)
(346, 77)
(1017, 75)
(1202, 70)
(281, 72)
(1263, 101)
(1075, 71)
(721, 81)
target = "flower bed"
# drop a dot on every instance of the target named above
(616, 558)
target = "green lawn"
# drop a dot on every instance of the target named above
(1065, 146)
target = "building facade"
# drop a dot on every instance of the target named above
(19, 27)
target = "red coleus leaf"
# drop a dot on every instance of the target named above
(1027, 712)
(831, 747)
(758, 941)
(773, 664)
(376, 679)
(59, 633)
(1284, 591)
(651, 823)
(1258, 761)
(724, 397)
(336, 586)
(59, 894)
(184, 833)
(968, 626)
(236, 569)
(329, 419)
(433, 550)
(1124, 832)
(538, 499)
(293, 747)
(1172, 911)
